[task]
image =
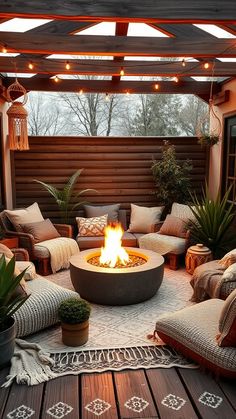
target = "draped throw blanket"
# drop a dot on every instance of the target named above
(207, 281)
(61, 249)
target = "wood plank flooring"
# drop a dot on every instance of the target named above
(155, 393)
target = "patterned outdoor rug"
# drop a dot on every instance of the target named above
(118, 335)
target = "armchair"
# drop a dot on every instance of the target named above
(39, 254)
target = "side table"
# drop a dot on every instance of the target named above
(197, 255)
(11, 242)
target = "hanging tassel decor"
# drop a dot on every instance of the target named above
(17, 118)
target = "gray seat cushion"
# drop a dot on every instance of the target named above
(193, 331)
(40, 310)
(87, 242)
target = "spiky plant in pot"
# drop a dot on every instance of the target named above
(212, 224)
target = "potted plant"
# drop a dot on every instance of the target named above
(208, 139)
(212, 225)
(66, 198)
(74, 316)
(10, 302)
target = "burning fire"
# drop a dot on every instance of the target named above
(113, 252)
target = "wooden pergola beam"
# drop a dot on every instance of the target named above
(133, 10)
(117, 46)
(105, 86)
(112, 68)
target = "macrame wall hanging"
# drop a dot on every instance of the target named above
(17, 117)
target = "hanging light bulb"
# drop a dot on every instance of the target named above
(176, 79)
(81, 91)
(56, 79)
(183, 62)
(127, 93)
(67, 65)
(206, 65)
(156, 86)
(4, 49)
(122, 72)
(30, 65)
(107, 97)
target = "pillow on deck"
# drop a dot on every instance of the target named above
(228, 259)
(173, 226)
(142, 219)
(92, 226)
(96, 211)
(41, 230)
(192, 331)
(227, 322)
(30, 214)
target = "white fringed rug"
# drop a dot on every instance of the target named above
(118, 335)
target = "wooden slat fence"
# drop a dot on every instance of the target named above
(118, 168)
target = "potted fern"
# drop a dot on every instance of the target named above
(66, 198)
(10, 302)
(74, 316)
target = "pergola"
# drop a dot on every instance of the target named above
(174, 18)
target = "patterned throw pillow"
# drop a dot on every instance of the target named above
(182, 211)
(228, 259)
(173, 226)
(227, 322)
(92, 226)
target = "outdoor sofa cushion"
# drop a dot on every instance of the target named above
(162, 244)
(128, 240)
(40, 309)
(193, 331)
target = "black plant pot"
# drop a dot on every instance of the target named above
(7, 342)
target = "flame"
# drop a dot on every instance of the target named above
(113, 252)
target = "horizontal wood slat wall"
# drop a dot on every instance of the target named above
(118, 168)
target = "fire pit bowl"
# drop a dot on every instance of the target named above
(117, 286)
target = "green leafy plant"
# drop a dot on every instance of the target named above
(171, 177)
(74, 310)
(208, 139)
(66, 197)
(8, 284)
(212, 224)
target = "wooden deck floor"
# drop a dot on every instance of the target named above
(155, 393)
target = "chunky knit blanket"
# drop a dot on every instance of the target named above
(61, 249)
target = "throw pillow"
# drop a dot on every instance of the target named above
(92, 226)
(41, 230)
(30, 214)
(182, 211)
(230, 273)
(227, 322)
(142, 219)
(96, 211)
(173, 226)
(228, 259)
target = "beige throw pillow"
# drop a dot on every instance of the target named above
(142, 219)
(96, 211)
(173, 226)
(92, 226)
(182, 211)
(30, 214)
(228, 259)
(41, 230)
(229, 274)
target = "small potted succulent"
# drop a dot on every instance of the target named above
(74, 316)
(11, 299)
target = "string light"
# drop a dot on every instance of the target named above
(30, 65)
(4, 49)
(176, 79)
(122, 72)
(67, 65)
(156, 86)
(81, 91)
(127, 93)
(206, 65)
(56, 79)
(107, 97)
(183, 63)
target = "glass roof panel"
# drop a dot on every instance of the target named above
(21, 24)
(103, 28)
(142, 29)
(23, 75)
(215, 31)
(79, 57)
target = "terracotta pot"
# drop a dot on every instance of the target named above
(197, 255)
(75, 334)
(7, 342)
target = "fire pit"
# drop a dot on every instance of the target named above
(114, 275)
(117, 286)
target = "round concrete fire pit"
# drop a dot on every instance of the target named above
(117, 286)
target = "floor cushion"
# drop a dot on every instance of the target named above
(40, 310)
(193, 332)
(31, 271)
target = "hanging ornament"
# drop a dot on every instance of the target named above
(208, 135)
(17, 117)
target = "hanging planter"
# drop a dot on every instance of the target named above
(17, 118)
(206, 136)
